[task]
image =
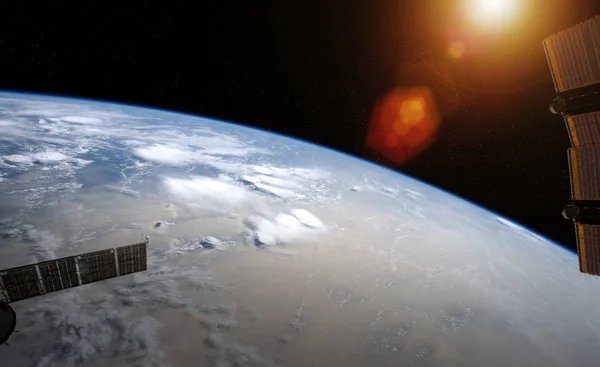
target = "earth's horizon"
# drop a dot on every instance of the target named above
(270, 251)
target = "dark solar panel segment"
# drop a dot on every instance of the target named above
(585, 171)
(97, 266)
(20, 283)
(132, 258)
(574, 55)
(584, 129)
(588, 242)
(59, 274)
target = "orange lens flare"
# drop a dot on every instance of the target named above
(403, 124)
(456, 50)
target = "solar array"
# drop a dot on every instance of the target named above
(574, 55)
(585, 170)
(574, 59)
(55, 275)
(589, 248)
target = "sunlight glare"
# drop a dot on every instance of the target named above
(492, 13)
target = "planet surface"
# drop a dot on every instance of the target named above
(267, 251)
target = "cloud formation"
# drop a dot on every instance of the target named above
(296, 226)
(164, 154)
(208, 193)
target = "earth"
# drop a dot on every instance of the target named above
(267, 251)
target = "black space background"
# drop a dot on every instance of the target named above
(314, 70)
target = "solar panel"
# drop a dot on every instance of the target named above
(585, 172)
(584, 129)
(21, 283)
(97, 266)
(132, 258)
(574, 55)
(54, 275)
(59, 274)
(588, 247)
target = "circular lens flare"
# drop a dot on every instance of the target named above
(404, 123)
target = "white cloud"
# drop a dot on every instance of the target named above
(181, 155)
(280, 192)
(164, 154)
(288, 183)
(278, 187)
(307, 218)
(218, 144)
(209, 194)
(26, 160)
(50, 156)
(261, 170)
(272, 181)
(295, 227)
(18, 159)
(45, 244)
(81, 119)
(7, 123)
(519, 229)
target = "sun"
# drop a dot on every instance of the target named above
(491, 14)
